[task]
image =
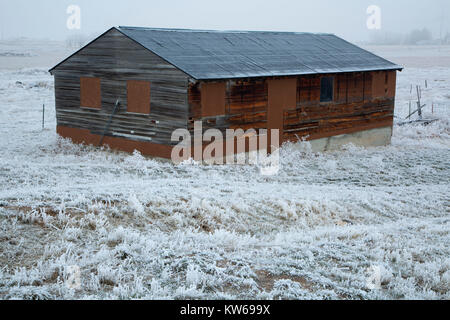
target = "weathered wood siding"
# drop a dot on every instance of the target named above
(115, 59)
(361, 101)
(354, 107)
(246, 104)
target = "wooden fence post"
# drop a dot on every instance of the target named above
(43, 116)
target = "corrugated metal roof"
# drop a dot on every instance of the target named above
(240, 54)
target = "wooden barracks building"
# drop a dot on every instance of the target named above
(317, 87)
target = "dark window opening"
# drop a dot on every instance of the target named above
(326, 89)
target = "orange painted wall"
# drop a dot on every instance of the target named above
(121, 144)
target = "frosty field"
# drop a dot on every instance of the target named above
(137, 228)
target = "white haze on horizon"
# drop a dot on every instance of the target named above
(46, 19)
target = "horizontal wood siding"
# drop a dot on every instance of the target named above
(353, 109)
(245, 106)
(115, 59)
(357, 105)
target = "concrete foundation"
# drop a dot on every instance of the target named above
(369, 138)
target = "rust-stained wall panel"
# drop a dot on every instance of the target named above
(323, 121)
(353, 109)
(213, 99)
(116, 143)
(90, 93)
(304, 89)
(308, 89)
(138, 96)
(355, 87)
(367, 86)
(315, 89)
(282, 96)
(247, 106)
(247, 96)
(378, 84)
(391, 84)
(340, 88)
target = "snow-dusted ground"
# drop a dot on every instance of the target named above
(139, 228)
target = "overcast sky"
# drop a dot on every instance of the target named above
(346, 18)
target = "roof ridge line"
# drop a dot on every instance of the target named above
(219, 31)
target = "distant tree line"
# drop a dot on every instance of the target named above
(415, 37)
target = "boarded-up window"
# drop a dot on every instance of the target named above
(326, 89)
(90, 93)
(213, 99)
(138, 96)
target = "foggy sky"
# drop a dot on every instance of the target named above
(346, 18)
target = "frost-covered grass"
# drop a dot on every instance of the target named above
(140, 228)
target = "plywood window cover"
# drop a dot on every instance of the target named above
(90, 93)
(138, 96)
(213, 99)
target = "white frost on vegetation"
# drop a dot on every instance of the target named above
(140, 228)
